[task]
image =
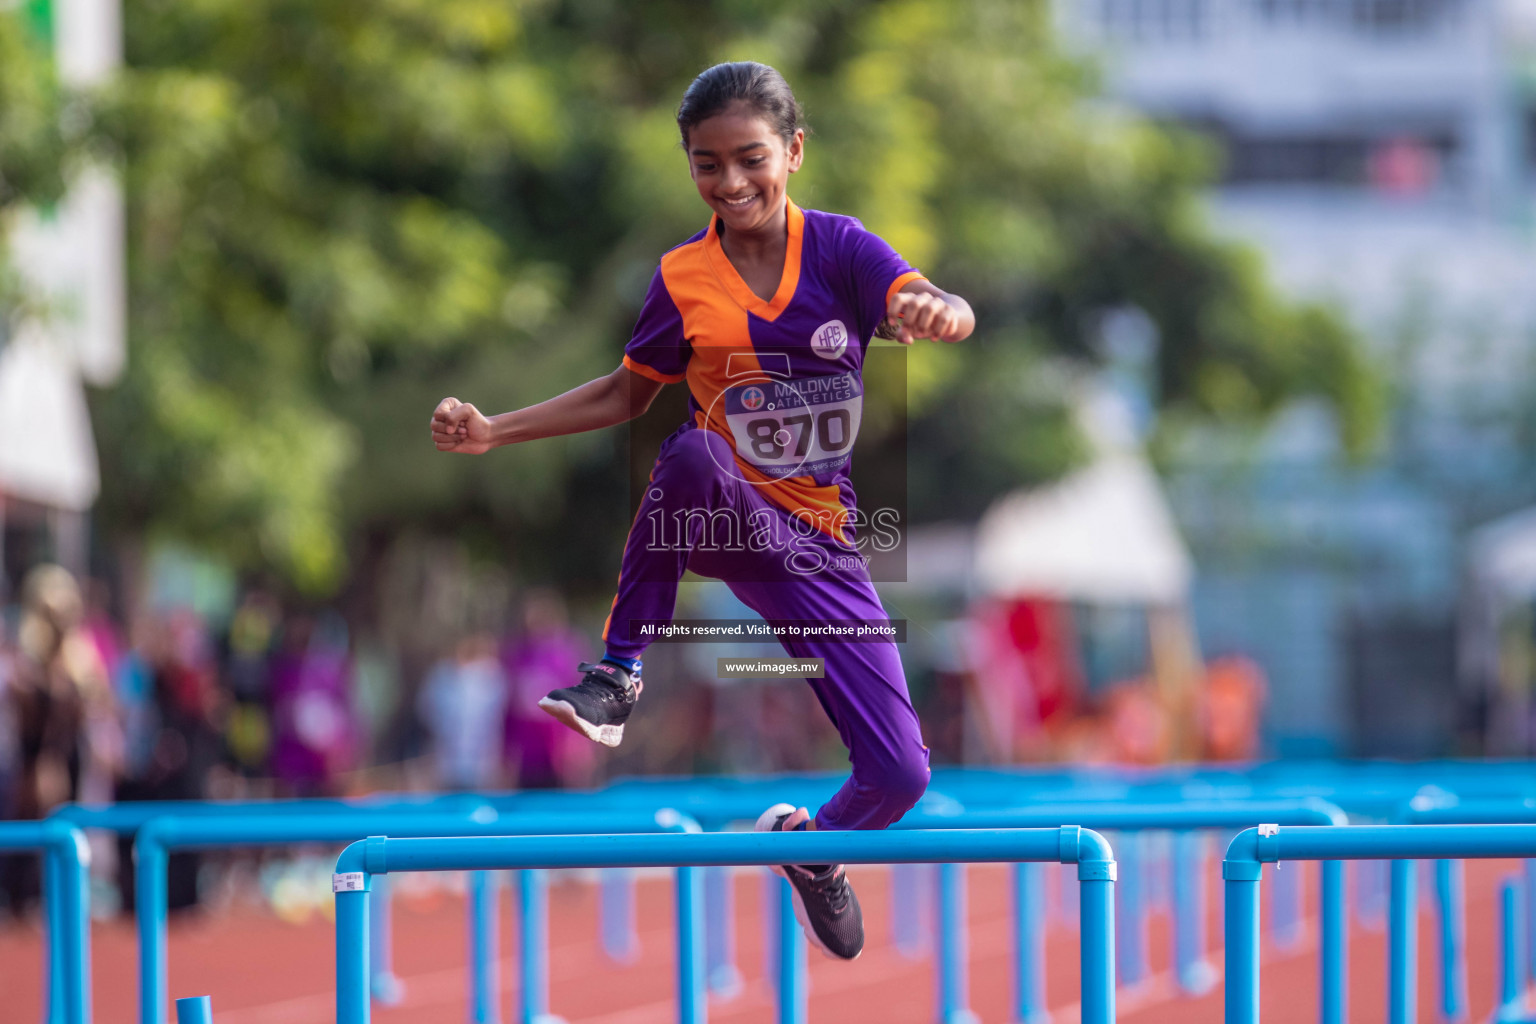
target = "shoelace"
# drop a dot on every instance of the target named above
(833, 886)
(835, 889)
(611, 693)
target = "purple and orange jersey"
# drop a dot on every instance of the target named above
(781, 380)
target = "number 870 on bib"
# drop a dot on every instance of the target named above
(795, 427)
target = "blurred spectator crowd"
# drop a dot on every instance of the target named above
(277, 703)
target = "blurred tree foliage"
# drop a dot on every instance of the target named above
(35, 141)
(342, 210)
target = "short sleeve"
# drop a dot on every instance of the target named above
(878, 273)
(658, 349)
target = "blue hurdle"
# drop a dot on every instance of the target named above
(1272, 844)
(125, 819)
(378, 855)
(66, 891)
(1029, 992)
(1436, 806)
(158, 837)
(1374, 790)
(1510, 1008)
(194, 1010)
(717, 801)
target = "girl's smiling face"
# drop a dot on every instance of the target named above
(741, 167)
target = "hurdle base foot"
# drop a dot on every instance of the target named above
(960, 1017)
(387, 990)
(725, 983)
(1197, 978)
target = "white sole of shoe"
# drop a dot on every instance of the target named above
(765, 823)
(565, 713)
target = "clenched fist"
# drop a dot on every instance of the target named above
(459, 427)
(920, 314)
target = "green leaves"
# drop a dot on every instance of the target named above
(34, 140)
(286, 254)
(39, 133)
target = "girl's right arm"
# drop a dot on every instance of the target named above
(617, 398)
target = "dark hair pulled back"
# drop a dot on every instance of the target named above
(743, 81)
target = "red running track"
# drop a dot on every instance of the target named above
(261, 970)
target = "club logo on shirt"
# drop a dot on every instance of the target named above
(830, 340)
(752, 399)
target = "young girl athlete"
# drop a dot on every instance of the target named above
(766, 314)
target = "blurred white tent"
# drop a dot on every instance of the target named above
(1102, 535)
(47, 452)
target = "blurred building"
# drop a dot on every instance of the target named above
(1382, 154)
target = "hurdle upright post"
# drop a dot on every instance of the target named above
(1334, 953)
(771, 895)
(74, 870)
(1402, 940)
(386, 986)
(53, 932)
(1029, 944)
(1096, 871)
(1512, 969)
(1240, 879)
(1450, 895)
(791, 959)
(1194, 974)
(692, 998)
(1131, 938)
(953, 994)
(1530, 920)
(721, 973)
(616, 915)
(911, 908)
(150, 893)
(1369, 893)
(532, 946)
(351, 894)
(485, 954)
(194, 1010)
(65, 862)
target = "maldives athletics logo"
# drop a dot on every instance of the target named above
(752, 399)
(830, 340)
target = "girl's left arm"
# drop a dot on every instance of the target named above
(920, 310)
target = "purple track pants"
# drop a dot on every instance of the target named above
(699, 514)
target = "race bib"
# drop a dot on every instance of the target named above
(796, 427)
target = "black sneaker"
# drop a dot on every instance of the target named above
(599, 705)
(825, 904)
